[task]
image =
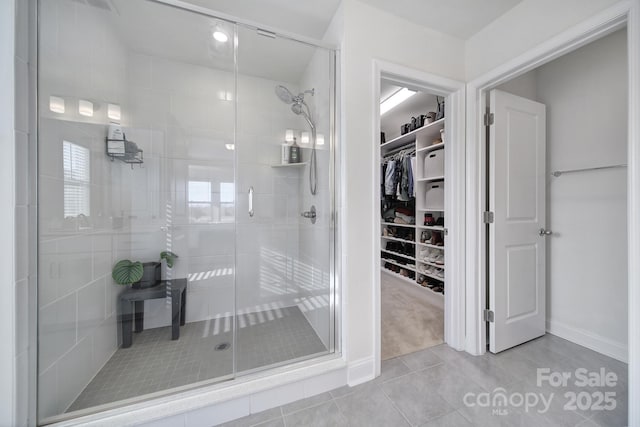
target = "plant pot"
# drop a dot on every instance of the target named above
(150, 276)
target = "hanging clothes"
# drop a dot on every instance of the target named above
(412, 187)
(389, 179)
(404, 179)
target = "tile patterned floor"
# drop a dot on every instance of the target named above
(427, 389)
(154, 362)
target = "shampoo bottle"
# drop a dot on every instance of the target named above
(294, 153)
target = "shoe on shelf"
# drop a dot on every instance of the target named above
(439, 273)
(439, 259)
(440, 221)
(433, 255)
(436, 238)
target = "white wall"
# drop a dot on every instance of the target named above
(8, 136)
(370, 33)
(76, 298)
(527, 25)
(586, 97)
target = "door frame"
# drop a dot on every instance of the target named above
(454, 92)
(624, 13)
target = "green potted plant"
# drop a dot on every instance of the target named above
(141, 275)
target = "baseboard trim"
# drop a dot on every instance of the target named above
(360, 371)
(595, 342)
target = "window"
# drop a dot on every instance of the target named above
(77, 179)
(200, 206)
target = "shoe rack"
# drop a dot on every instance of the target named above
(417, 252)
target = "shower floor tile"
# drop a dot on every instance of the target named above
(155, 363)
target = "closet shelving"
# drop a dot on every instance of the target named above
(421, 141)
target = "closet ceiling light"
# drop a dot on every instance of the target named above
(230, 147)
(220, 36)
(396, 99)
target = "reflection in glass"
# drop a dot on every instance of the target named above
(77, 181)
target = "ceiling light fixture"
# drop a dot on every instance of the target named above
(56, 104)
(396, 99)
(304, 137)
(288, 135)
(230, 147)
(85, 108)
(220, 36)
(114, 112)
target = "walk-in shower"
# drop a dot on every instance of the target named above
(158, 130)
(299, 107)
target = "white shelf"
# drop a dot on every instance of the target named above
(409, 137)
(429, 210)
(432, 264)
(398, 254)
(431, 276)
(431, 227)
(427, 245)
(435, 178)
(430, 148)
(393, 224)
(406, 267)
(398, 240)
(290, 165)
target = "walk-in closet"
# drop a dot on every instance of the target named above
(412, 219)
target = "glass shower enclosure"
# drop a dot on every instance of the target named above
(186, 202)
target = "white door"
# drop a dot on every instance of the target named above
(517, 199)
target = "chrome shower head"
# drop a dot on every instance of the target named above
(297, 109)
(284, 94)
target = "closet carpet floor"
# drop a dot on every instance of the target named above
(409, 322)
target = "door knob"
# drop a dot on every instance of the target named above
(542, 232)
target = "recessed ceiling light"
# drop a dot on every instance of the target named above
(230, 147)
(220, 36)
(396, 99)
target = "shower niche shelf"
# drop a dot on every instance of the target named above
(126, 151)
(290, 165)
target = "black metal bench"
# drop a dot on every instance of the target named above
(132, 307)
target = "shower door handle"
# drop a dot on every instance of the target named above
(250, 201)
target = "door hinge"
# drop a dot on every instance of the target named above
(488, 315)
(445, 231)
(488, 119)
(487, 217)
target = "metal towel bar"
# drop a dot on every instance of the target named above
(558, 173)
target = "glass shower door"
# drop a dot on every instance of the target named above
(284, 232)
(166, 78)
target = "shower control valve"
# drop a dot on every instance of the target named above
(311, 214)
